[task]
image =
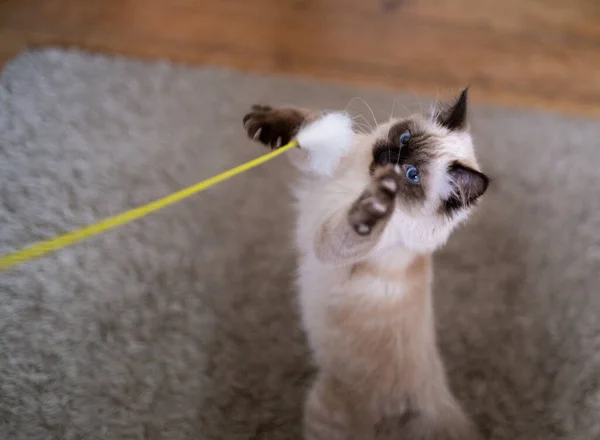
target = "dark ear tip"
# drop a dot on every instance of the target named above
(454, 116)
(486, 183)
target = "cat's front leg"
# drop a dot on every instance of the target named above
(374, 207)
(274, 127)
(349, 235)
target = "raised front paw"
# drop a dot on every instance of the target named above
(377, 202)
(273, 127)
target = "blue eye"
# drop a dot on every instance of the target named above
(412, 174)
(405, 137)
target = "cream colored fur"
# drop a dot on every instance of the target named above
(366, 302)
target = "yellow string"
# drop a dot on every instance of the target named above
(62, 241)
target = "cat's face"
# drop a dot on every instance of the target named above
(440, 179)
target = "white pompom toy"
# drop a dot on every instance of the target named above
(327, 140)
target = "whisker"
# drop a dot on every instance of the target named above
(417, 98)
(391, 118)
(408, 112)
(393, 109)
(361, 127)
(365, 119)
(370, 110)
(369, 128)
(434, 108)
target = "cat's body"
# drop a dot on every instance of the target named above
(365, 237)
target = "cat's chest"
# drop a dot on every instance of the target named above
(379, 337)
(375, 288)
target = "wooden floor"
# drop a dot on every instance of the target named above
(543, 53)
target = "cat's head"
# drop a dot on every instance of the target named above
(440, 178)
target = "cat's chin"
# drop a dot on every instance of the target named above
(408, 247)
(406, 237)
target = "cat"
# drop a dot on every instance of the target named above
(365, 237)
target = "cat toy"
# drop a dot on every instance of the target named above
(326, 140)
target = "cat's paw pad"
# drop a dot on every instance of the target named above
(376, 202)
(270, 126)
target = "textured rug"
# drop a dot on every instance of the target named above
(183, 325)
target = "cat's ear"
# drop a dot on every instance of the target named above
(454, 116)
(467, 186)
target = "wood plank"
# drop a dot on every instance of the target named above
(544, 18)
(534, 53)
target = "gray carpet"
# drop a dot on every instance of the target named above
(183, 325)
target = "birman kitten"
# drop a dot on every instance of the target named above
(365, 235)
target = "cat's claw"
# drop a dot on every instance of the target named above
(376, 203)
(273, 127)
